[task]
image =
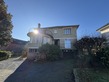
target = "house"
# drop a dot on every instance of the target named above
(104, 30)
(62, 36)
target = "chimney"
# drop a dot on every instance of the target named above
(39, 25)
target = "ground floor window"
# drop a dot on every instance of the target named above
(67, 43)
(32, 50)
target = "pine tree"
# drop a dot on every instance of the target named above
(5, 25)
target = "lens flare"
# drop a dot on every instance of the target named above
(35, 31)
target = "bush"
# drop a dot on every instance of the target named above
(102, 57)
(52, 52)
(5, 55)
(89, 44)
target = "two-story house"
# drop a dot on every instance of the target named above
(62, 36)
(104, 30)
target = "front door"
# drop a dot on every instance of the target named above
(56, 42)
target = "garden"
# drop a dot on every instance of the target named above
(92, 62)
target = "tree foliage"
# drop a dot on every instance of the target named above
(90, 51)
(52, 52)
(101, 59)
(90, 43)
(5, 25)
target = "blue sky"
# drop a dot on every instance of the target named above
(89, 14)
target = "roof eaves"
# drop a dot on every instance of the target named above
(101, 28)
(61, 26)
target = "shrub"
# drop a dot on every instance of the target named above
(102, 57)
(87, 47)
(88, 44)
(5, 55)
(52, 52)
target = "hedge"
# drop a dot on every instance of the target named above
(5, 55)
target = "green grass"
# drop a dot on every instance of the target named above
(84, 73)
(92, 75)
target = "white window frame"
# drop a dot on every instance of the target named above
(67, 31)
(67, 43)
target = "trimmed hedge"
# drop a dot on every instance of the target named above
(5, 55)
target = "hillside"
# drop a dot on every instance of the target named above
(17, 41)
(16, 46)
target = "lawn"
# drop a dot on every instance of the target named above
(92, 75)
(84, 73)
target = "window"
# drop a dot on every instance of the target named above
(67, 43)
(67, 31)
(55, 31)
(46, 40)
(33, 40)
(32, 50)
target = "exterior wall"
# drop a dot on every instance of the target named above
(52, 36)
(60, 32)
(35, 42)
(31, 56)
(61, 36)
(105, 31)
(56, 33)
(38, 40)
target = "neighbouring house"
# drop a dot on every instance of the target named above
(62, 36)
(104, 30)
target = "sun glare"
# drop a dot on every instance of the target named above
(35, 31)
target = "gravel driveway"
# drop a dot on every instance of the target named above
(59, 71)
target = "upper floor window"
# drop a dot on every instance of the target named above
(67, 31)
(33, 40)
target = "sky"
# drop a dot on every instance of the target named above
(89, 14)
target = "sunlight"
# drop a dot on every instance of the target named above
(105, 31)
(35, 31)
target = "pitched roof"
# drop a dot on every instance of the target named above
(103, 27)
(61, 26)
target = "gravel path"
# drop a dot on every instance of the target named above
(59, 71)
(8, 66)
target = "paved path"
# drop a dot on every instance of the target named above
(59, 71)
(8, 66)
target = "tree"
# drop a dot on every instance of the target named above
(5, 25)
(90, 43)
